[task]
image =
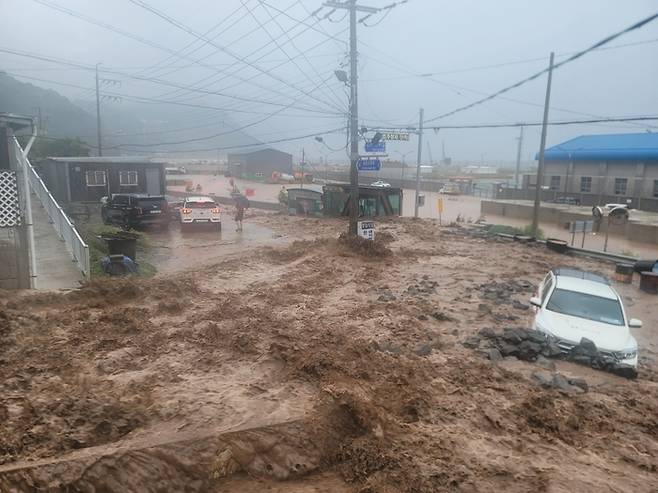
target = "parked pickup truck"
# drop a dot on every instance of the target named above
(133, 211)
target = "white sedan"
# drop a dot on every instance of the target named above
(573, 304)
(380, 183)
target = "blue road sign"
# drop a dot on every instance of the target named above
(369, 164)
(378, 147)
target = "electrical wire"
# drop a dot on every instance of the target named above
(143, 99)
(579, 54)
(412, 75)
(159, 81)
(301, 52)
(215, 81)
(522, 124)
(155, 68)
(281, 49)
(259, 144)
(192, 32)
(262, 56)
(147, 42)
(230, 66)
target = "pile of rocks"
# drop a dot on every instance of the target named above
(569, 385)
(385, 294)
(531, 345)
(502, 292)
(424, 287)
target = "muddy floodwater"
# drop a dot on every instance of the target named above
(466, 207)
(285, 359)
(176, 250)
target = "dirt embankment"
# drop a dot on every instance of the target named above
(322, 366)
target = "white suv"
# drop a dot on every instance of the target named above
(200, 210)
(573, 304)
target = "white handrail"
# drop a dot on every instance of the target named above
(76, 246)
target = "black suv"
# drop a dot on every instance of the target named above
(131, 210)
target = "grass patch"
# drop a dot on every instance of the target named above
(90, 231)
(511, 230)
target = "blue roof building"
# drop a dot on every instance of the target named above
(603, 168)
(607, 147)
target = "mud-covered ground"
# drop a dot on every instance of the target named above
(313, 365)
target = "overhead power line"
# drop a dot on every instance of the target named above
(524, 124)
(143, 99)
(259, 144)
(212, 80)
(604, 41)
(300, 52)
(410, 74)
(192, 32)
(162, 65)
(214, 52)
(161, 82)
(208, 137)
(140, 39)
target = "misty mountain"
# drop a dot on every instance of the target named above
(59, 116)
(127, 127)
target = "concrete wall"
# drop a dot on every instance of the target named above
(633, 231)
(589, 199)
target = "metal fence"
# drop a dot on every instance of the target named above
(76, 246)
(587, 199)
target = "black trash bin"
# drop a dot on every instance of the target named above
(121, 244)
(644, 265)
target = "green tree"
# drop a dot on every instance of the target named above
(66, 147)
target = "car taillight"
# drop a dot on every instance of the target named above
(186, 211)
(215, 210)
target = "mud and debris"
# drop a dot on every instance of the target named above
(313, 367)
(530, 345)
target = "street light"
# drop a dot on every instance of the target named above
(341, 75)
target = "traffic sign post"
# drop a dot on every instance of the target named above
(369, 164)
(395, 136)
(379, 147)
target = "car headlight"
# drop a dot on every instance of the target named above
(626, 354)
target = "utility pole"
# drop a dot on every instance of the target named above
(518, 158)
(542, 149)
(418, 158)
(354, 124)
(301, 181)
(40, 127)
(354, 106)
(98, 115)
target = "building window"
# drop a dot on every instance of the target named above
(259, 174)
(95, 178)
(585, 184)
(555, 182)
(620, 186)
(128, 178)
(655, 188)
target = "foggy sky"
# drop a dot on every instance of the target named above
(422, 36)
